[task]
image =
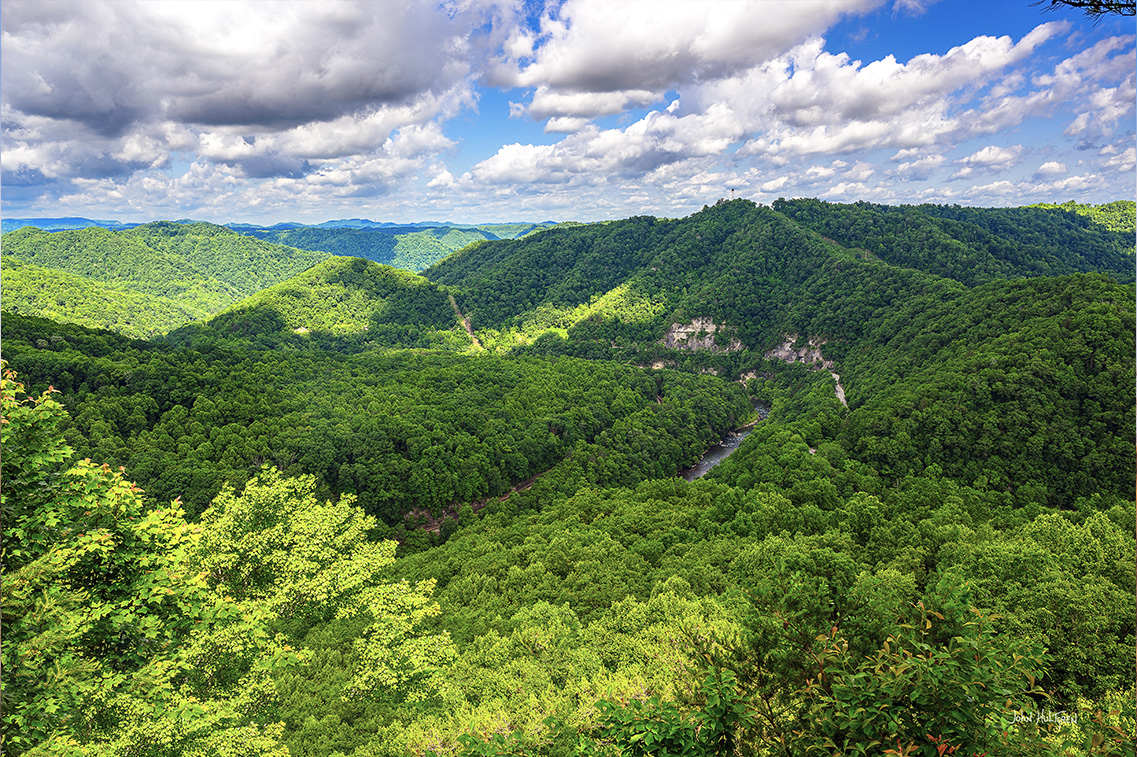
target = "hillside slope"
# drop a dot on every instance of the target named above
(69, 298)
(743, 268)
(755, 273)
(342, 303)
(199, 267)
(972, 245)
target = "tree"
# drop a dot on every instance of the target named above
(276, 546)
(111, 645)
(1095, 9)
(129, 631)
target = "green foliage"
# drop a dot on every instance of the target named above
(1120, 215)
(1016, 383)
(196, 268)
(403, 431)
(655, 727)
(559, 590)
(972, 245)
(111, 643)
(67, 298)
(34, 451)
(277, 546)
(411, 248)
(341, 304)
(1067, 587)
(943, 681)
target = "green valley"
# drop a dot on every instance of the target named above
(364, 511)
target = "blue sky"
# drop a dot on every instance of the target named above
(495, 110)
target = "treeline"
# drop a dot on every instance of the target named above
(972, 245)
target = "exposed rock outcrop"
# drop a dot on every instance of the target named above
(810, 354)
(699, 334)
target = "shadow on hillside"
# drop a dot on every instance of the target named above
(264, 327)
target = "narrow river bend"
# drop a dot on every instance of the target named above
(725, 448)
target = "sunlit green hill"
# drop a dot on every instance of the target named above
(68, 298)
(1120, 215)
(411, 248)
(341, 303)
(199, 267)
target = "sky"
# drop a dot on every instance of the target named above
(501, 110)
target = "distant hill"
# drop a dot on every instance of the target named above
(412, 247)
(60, 224)
(69, 298)
(747, 268)
(165, 274)
(198, 268)
(342, 303)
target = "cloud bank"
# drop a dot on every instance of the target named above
(490, 109)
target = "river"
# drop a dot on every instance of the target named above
(725, 448)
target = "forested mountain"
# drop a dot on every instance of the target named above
(411, 248)
(974, 245)
(68, 298)
(759, 271)
(59, 224)
(167, 274)
(914, 349)
(342, 303)
(200, 268)
(925, 546)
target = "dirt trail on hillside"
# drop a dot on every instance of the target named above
(465, 321)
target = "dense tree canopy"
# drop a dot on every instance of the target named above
(925, 547)
(32, 290)
(199, 268)
(129, 631)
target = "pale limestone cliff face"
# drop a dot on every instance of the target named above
(699, 334)
(810, 355)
